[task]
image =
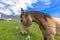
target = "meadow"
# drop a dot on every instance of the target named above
(10, 30)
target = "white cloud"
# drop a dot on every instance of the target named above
(15, 5)
(46, 2)
(1, 5)
(8, 2)
(25, 3)
(7, 12)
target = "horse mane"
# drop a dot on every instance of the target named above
(38, 14)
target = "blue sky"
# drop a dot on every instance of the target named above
(52, 9)
(12, 7)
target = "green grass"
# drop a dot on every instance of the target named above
(10, 30)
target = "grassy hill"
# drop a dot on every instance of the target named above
(10, 30)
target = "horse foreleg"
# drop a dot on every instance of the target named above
(50, 33)
(45, 36)
(50, 37)
(43, 32)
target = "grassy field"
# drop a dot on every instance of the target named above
(10, 30)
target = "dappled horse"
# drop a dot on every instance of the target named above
(46, 23)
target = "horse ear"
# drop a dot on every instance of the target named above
(22, 10)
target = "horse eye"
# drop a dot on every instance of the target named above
(21, 20)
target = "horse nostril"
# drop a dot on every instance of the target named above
(24, 33)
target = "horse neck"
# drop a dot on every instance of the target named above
(36, 19)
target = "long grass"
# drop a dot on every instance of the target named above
(10, 30)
